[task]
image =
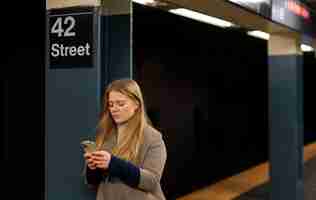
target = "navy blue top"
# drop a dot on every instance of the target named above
(118, 168)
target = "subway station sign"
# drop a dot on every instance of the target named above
(70, 39)
(295, 15)
(261, 7)
(291, 13)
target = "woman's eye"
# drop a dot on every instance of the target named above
(120, 104)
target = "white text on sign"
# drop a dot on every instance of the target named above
(61, 50)
(64, 27)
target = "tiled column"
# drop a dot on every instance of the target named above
(286, 117)
(88, 45)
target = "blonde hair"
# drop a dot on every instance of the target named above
(128, 147)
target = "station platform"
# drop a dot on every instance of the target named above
(253, 184)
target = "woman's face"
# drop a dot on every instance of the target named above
(121, 107)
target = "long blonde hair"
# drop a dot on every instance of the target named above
(128, 147)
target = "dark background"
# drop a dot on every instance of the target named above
(22, 61)
(206, 90)
(309, 61)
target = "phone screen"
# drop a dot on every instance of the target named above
(88, 146)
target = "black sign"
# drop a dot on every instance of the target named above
(71, 39)
(295, 15)
(261, 7)
(292, 13)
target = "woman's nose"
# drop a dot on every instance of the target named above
(114, 109)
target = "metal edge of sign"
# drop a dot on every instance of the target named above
(70, 10)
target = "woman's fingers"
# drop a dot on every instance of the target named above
(89, 158)
(101, 155)
(87, 155)
(101, 165)
(99, 162)
(101, 159)
(92, 166)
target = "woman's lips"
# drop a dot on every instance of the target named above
(115, 116)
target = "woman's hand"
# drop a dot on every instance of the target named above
(101, 159)
(90, 161)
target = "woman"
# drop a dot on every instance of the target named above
(131, 154)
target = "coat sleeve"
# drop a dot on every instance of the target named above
(153, 166)
(93, 177)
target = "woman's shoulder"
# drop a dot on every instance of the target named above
(151, 134)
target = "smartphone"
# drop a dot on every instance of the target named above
(88, 146)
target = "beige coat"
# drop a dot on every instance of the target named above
(152, 160)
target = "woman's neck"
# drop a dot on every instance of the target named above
(121, 127)
(120, 130)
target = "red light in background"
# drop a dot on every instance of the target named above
(298, 9)
(305, 14)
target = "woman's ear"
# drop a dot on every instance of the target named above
(137, 105)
